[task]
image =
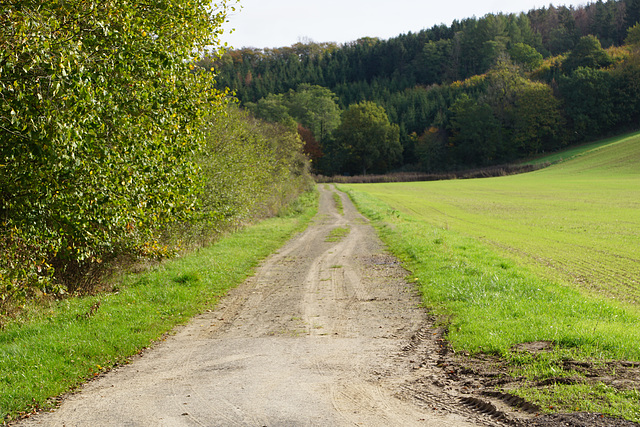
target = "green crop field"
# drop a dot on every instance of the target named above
(550, 256)
(578, 220)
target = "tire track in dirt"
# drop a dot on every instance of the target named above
(326, 333)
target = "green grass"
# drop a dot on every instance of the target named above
(579, 150)
(491, 303)
(337, 234)
(577, 221)
(551, 255)
(55, 348)
(601, 399)
(338, 202)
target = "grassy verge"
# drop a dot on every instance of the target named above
(490, 304)
(55, 348)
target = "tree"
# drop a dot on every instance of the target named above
(587, 53)
(633, 36)
(434, 58)
(312, 147)
(527, 111)
(101, 109)
(626, 90)
(475, 132)
(372, 142)
(537, 119)
(528, 57)
(632, 12)
(588, 102)
(274, 109)
(250, 167)
(314, 107)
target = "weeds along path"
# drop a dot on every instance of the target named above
(326, 333)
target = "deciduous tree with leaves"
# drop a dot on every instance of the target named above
(371, 141)
(100, 117)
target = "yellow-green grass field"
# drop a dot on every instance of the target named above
(550, 256)
(578, 220)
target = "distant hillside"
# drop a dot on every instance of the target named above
(614, 157)
(480, 92)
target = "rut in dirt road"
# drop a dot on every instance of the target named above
(327, 333)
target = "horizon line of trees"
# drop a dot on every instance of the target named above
(479, 92)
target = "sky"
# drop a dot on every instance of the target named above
(278, 23)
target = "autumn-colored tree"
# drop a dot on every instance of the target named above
(311, 146)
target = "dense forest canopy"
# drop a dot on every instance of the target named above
(480, 91)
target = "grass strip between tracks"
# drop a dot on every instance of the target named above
(490, 304)
(57, 347)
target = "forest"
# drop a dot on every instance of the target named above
(479, 92)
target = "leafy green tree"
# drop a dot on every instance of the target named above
(274, 109)
(100, 116)
(250, 167)
(372, 142)
(475, 132)
(528, 113)
(537, 120)
(528, 57)
(626, 90)
(433, 61)
(633, 36)
(316, 108)
(588, 102)
(431, 149)
(587, 53)
(632, 9)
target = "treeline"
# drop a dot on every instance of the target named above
(116, 147)
(539, 81)
(365, 68)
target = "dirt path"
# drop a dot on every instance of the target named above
(327, 333)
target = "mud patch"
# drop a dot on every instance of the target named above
(482, 383)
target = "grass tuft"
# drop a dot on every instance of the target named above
(337, 234)
(338, 202)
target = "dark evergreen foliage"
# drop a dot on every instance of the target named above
(419, 79)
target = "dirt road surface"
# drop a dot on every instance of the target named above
(327, 333)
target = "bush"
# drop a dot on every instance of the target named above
(100, 117)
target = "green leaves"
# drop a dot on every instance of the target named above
(101, 112)
(372, 141)
(587, 53)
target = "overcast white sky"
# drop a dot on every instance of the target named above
(277, 23)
